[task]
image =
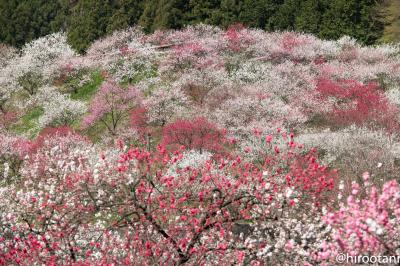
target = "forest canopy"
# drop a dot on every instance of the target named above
(22, 21)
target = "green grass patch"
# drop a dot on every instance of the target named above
(28, 122)
(96, 131)
(85, 92)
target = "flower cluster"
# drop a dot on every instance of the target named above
(69, 204)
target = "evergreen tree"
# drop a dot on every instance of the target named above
(356, 18)
(88, 22)
(228, 13)
(23, 21)
(309, 17)
(338, 19)
(164, 14)
(371, 25)
(147, 18)
(171, 14)
(284, 18)
(127, 14)
(257, 13)
(202, 11)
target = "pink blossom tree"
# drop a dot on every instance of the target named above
(110, 105)
(7, 118)
(367, 223)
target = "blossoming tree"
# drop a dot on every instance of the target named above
(110, 105)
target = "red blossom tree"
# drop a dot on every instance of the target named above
(238, 37)
(139, 121)
(197, 133)
(356, 103)
(49, 133)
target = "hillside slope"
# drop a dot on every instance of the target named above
(390, 12)
(200, 146)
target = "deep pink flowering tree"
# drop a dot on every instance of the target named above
(197, 133)
(356, 103)
(238, 38)
(139, 121)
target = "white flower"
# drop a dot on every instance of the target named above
(289, 192)
(341, 185)
(58, 108)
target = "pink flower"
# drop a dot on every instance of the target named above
(355, 188)
(289, 245)
(201, 196)
(365, 176)
(239, 256)
(268, 139)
